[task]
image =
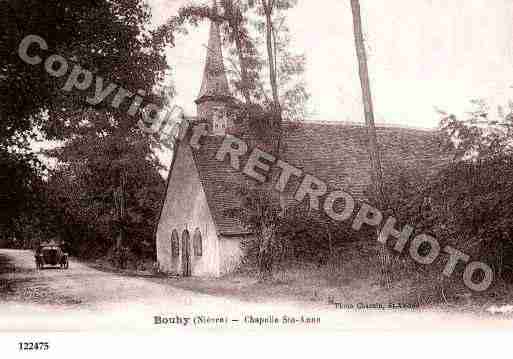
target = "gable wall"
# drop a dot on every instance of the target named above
(186, 207)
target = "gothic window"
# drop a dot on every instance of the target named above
(175, 243)
(197, 243)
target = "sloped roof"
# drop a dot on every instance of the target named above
(338, 155)
(221, 184)
(215, 82)
(333, 152)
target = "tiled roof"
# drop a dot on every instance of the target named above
(221, 184)
(333, 152)
(337, 153)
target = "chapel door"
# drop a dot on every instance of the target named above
(186, 254)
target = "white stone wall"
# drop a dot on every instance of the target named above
(186, 208)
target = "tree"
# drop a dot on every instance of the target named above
(282, 67)
(244, 30)
(472, 195)
(238, 35)
(259, 213)
(109, 38)
(268, 9)
(289, 67)
(232, 16)
(464, 202)
(20, 193)
(482, 134)
(372, 144)
(82, 192)
(99, 35)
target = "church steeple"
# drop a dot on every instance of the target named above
(215, 103)
(215, 81)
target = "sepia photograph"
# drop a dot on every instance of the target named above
(179, 167)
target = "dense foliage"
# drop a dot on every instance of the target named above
(81, 194)
(97, 145)
(467, 203)
(243, 26)
(105, 37)
(291, 235)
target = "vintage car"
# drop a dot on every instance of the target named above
(51, 254)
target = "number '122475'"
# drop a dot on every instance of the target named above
(33, 346)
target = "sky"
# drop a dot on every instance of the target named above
(423, 55)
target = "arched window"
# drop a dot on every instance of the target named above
(175, 244)
(197, 243)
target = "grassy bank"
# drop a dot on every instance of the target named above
(353, 276)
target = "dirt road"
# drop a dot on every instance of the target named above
(83, 298)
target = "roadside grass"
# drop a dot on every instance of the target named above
(134, 267)
(352, 276)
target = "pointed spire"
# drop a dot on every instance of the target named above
(215, 81)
